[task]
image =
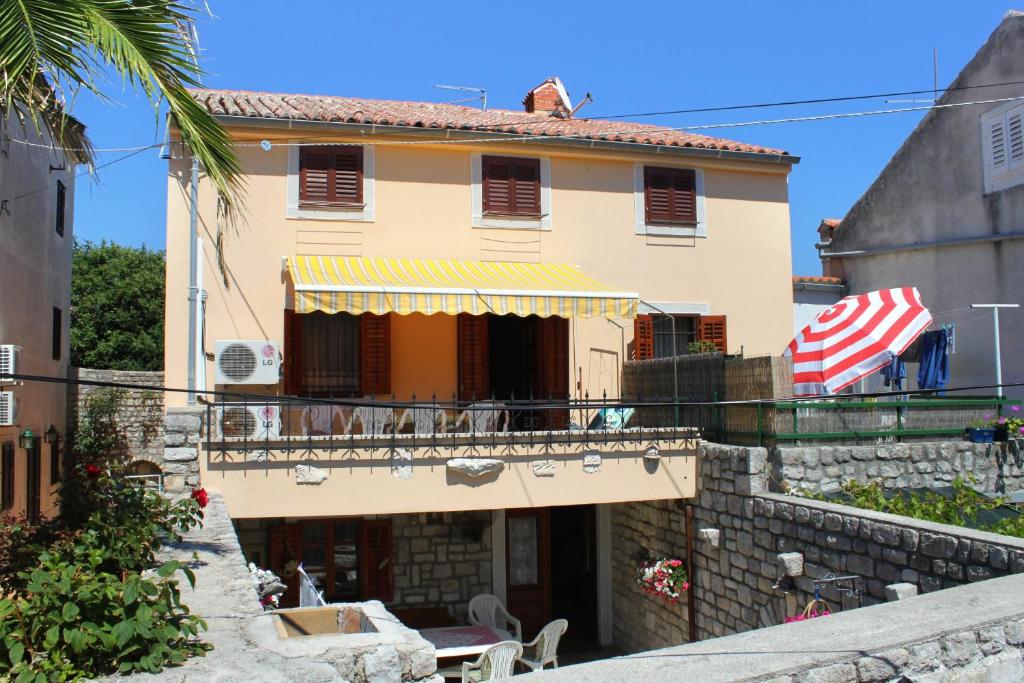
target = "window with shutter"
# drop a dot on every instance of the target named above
(553, 373)
(643, 338)
(377, 567)
(58, 327)
(670, 195)
(1003, 139)
(375, 354)
(292, 353)
(473, 361)
(997, 141)
(7, 475)
(61, 200)
(330, 177)
(511, 186)
(712, 328)
(1015, 133)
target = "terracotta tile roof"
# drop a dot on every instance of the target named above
(831, 222)
(816, 280)
(449, 116)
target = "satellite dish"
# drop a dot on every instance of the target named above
(265, 145)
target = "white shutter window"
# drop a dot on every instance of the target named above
(1003, 147)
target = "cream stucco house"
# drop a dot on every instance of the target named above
(37, 186)
(483, 274)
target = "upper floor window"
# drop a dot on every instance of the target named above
(669, 201)
(330, 182)
(511, 192)
(511, 186)
(61, 199)
(58, 328)
(1002, 134)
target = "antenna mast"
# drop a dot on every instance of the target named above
(465, 88)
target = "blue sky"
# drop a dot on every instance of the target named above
(632, 57)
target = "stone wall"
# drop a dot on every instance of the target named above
(183, 432)
(141, 414)
(997, 467)
(442, 559)
(740, 531)
(645, 530)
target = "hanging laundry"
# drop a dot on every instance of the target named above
(894, 372)
(934, 370)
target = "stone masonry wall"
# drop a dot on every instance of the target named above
(642, 530)
(141, 413)
(997, 467)
(740, 531)
(442, 559)
(183, 432)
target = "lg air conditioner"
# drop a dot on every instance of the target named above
(256, 422)
(8, 361)
(247, 362)
(8, 412)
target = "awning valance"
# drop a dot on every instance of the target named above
(335, 284)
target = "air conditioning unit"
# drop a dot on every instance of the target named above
(8, 409)
(247, 362)
(8, 361)
(255, 422)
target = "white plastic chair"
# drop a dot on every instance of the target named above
(484, 418)
(496, 663)
(487, 610)
(543, 649)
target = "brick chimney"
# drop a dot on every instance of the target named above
(549, 97)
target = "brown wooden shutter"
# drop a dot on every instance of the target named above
(643, 337)
(474, 357)
(293, 375)
(283, 542)
(670, 195)
(511, 186)
(376, 571)
(331, 176)
(553, 375)
(375, 354)
(711, 328)
(7, 473)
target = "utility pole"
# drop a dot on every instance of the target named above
(995, 331)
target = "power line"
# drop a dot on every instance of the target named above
(88, 171)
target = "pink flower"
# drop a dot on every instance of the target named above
(1021, 430)
(1015, 409)
(1002, 420)
(686, 585)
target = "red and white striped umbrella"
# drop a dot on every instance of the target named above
(855, 338)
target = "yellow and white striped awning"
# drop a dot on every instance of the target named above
(334, 284)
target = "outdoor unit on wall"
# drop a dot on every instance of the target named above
(249, 421)
(8, 409)
(247, 362)
(8, 361)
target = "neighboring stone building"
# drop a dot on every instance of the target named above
(36, 238)
(945, 214)
(811, 295)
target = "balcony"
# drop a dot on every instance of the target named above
(319, 458)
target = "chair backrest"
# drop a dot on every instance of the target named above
(502, 658)
(549, 636)
(483, 610)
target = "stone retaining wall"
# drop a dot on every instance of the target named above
(442, 559)
(183, 433)
(141, 414)
(997, 467)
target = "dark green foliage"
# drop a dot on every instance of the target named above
(117, 307)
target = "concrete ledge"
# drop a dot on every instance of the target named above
(976, 629)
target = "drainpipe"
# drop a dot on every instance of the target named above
(193, 287)
(691, 599)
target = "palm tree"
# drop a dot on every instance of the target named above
(52, 48)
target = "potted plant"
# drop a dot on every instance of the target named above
(980, 430)
(665, 578)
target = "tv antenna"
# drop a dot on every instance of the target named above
(935, 83)
(482, 97)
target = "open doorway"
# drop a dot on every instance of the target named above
(552, 571)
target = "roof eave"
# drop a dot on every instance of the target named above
(463, 134)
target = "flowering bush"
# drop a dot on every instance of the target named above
(665, 578)
(268, 586)
(1014, 424)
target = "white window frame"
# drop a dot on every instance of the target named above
(476, 175)
(658, 229)
(365, 214)
(1013, 172)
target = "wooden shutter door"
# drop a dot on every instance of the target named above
(526, 187)
(496, 185)
(711, 328)
(643, 338)
(375, 354)
(314, 175)
(473, 360)
(684, 196)
(553, 370)
(347, 177)
(657, 196)
(293, 381)
(284, 547)
(376, 571)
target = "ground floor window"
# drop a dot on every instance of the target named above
(653, 335)
(685, 334)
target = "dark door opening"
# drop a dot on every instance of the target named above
(552, 571)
